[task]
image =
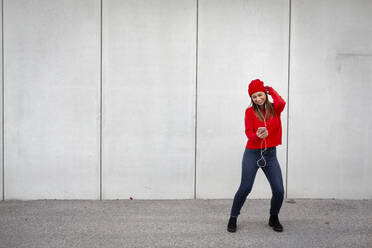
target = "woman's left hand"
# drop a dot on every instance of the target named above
(267, 89)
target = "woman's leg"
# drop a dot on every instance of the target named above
(249, 170)
(274, 175)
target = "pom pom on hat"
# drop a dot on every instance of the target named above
(255, 86)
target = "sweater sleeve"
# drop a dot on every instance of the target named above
(279, 102)
(249, 127)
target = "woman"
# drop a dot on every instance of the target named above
(264, 131)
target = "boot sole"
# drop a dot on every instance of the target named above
(275, 229)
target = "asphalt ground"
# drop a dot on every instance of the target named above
(183, 223)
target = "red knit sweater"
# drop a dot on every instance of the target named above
(274, 125)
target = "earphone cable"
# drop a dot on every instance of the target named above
(262, 141)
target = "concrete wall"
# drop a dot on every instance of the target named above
(174, 90)
(51, 105)
(330, 104)
(250, 41)
(148, 99)
(1, 108)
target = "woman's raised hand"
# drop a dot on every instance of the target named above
(267, 89)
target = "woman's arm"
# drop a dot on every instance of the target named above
(249, 127)
(279, 102)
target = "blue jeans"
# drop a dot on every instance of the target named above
(272, 172)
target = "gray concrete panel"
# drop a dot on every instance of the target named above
(330, 103)
(148, 99)
(238, 41)
(52, 82)
(1, 111)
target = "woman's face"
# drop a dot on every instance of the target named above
(259, 98)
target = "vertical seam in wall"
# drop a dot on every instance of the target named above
(289, 75)
(100, 112)
(196, 91)
(2, 92)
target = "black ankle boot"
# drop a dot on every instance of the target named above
(274, 222)
(231, 227)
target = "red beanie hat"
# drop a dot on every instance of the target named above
(255, 86)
